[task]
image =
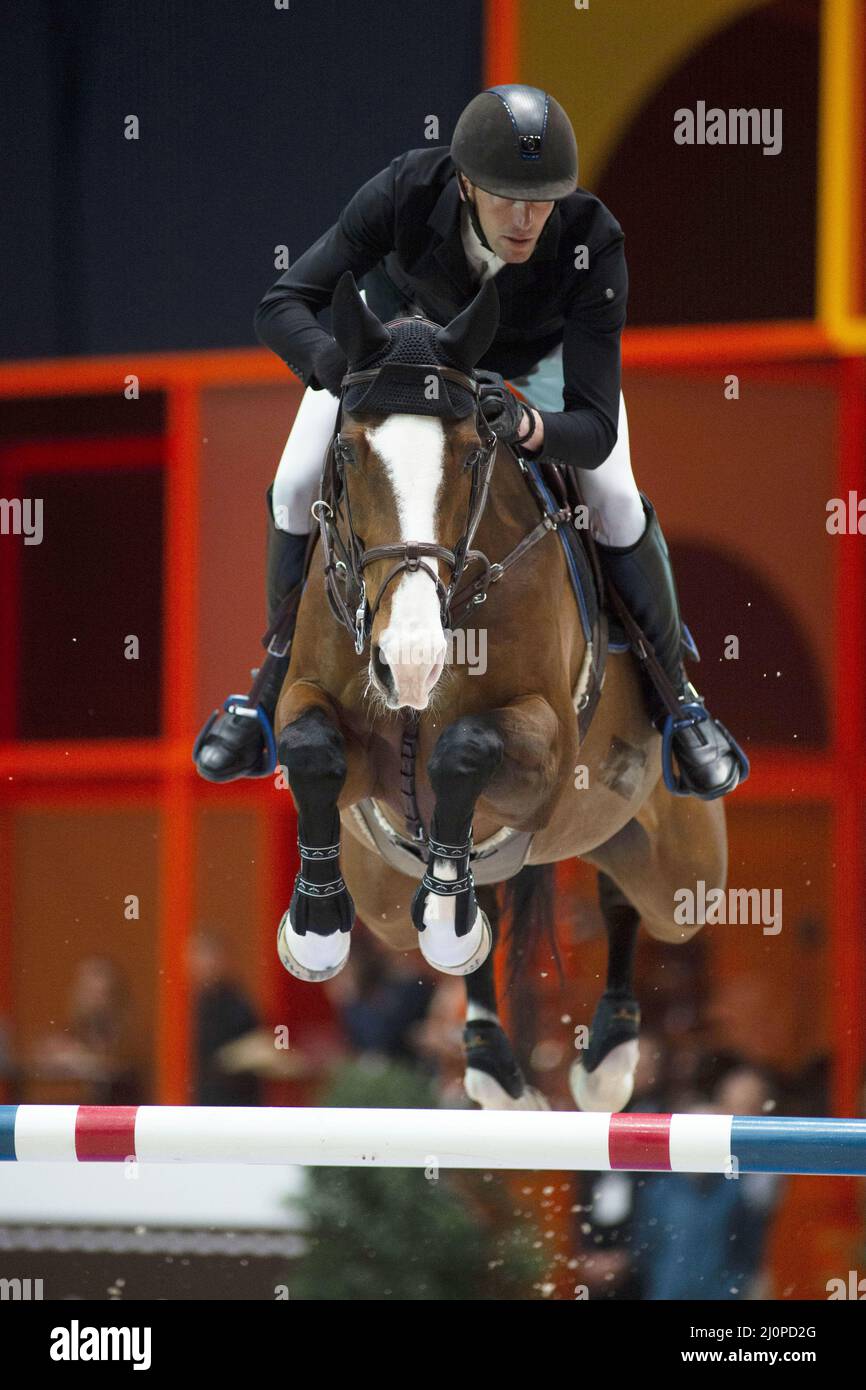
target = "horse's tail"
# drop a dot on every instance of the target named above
(529, 902)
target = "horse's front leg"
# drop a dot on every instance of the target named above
(313, 938)
(507, 756)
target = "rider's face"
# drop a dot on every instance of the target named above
(512, 227)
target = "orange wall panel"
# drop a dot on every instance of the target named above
(72, 871)
(243, 431)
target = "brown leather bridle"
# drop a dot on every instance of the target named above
(346, 559)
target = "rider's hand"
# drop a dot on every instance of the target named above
(329, 368)
(507, 417)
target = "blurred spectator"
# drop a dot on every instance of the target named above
(746, 1089)
(674, 987)
(381, 996)
(741, 1017)
(679, 1235)
(439, 1039)
(702, 1236)
(810, 1087)
(223, 1016)
(606, 1201)
(94, 1046)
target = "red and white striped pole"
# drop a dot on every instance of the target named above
(432, 1139)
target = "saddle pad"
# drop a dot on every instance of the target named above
(579, 568)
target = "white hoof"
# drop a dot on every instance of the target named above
(312, 957)
(609, 1088)
(452, 954)
(486, 1091)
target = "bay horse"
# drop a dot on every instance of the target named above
(388, 749)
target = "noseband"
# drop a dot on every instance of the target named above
(343, 552)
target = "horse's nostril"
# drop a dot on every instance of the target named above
(381, 668)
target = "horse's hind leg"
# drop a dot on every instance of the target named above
(603, 1079)
(493, 1078)
(673, 844)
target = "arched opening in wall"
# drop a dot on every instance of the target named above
(774, 691)
(725, 232)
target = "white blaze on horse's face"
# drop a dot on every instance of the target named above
(413, 645)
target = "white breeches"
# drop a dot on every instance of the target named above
(610, 490)
(299, 472)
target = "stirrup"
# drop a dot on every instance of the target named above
(692, 713)
(242, 705)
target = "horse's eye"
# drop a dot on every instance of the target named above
(344, 452)
(473, 457)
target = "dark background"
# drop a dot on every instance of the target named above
(256, 126)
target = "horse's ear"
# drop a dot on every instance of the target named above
(355, 327)
(468, 337)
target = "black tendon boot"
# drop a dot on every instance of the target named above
(240, 741)
(709, 760)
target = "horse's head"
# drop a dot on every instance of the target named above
(411, 457)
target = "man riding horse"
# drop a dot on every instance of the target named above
(424, 234)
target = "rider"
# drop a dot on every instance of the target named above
(424, 233)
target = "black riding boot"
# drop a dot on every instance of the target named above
(709, 760)
(240, 741)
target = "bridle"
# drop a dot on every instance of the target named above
(343, 552)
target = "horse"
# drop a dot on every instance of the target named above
(405, 767)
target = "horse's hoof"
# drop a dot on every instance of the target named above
(492, 1078)
(457, 955)
(312, 957)
(610, 1086)
(487, 1092)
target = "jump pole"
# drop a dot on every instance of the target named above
(353, 1138)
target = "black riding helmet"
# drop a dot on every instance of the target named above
(517, 142)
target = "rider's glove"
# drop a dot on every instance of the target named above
(507, 417)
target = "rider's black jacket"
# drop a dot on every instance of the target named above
(401, 231)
